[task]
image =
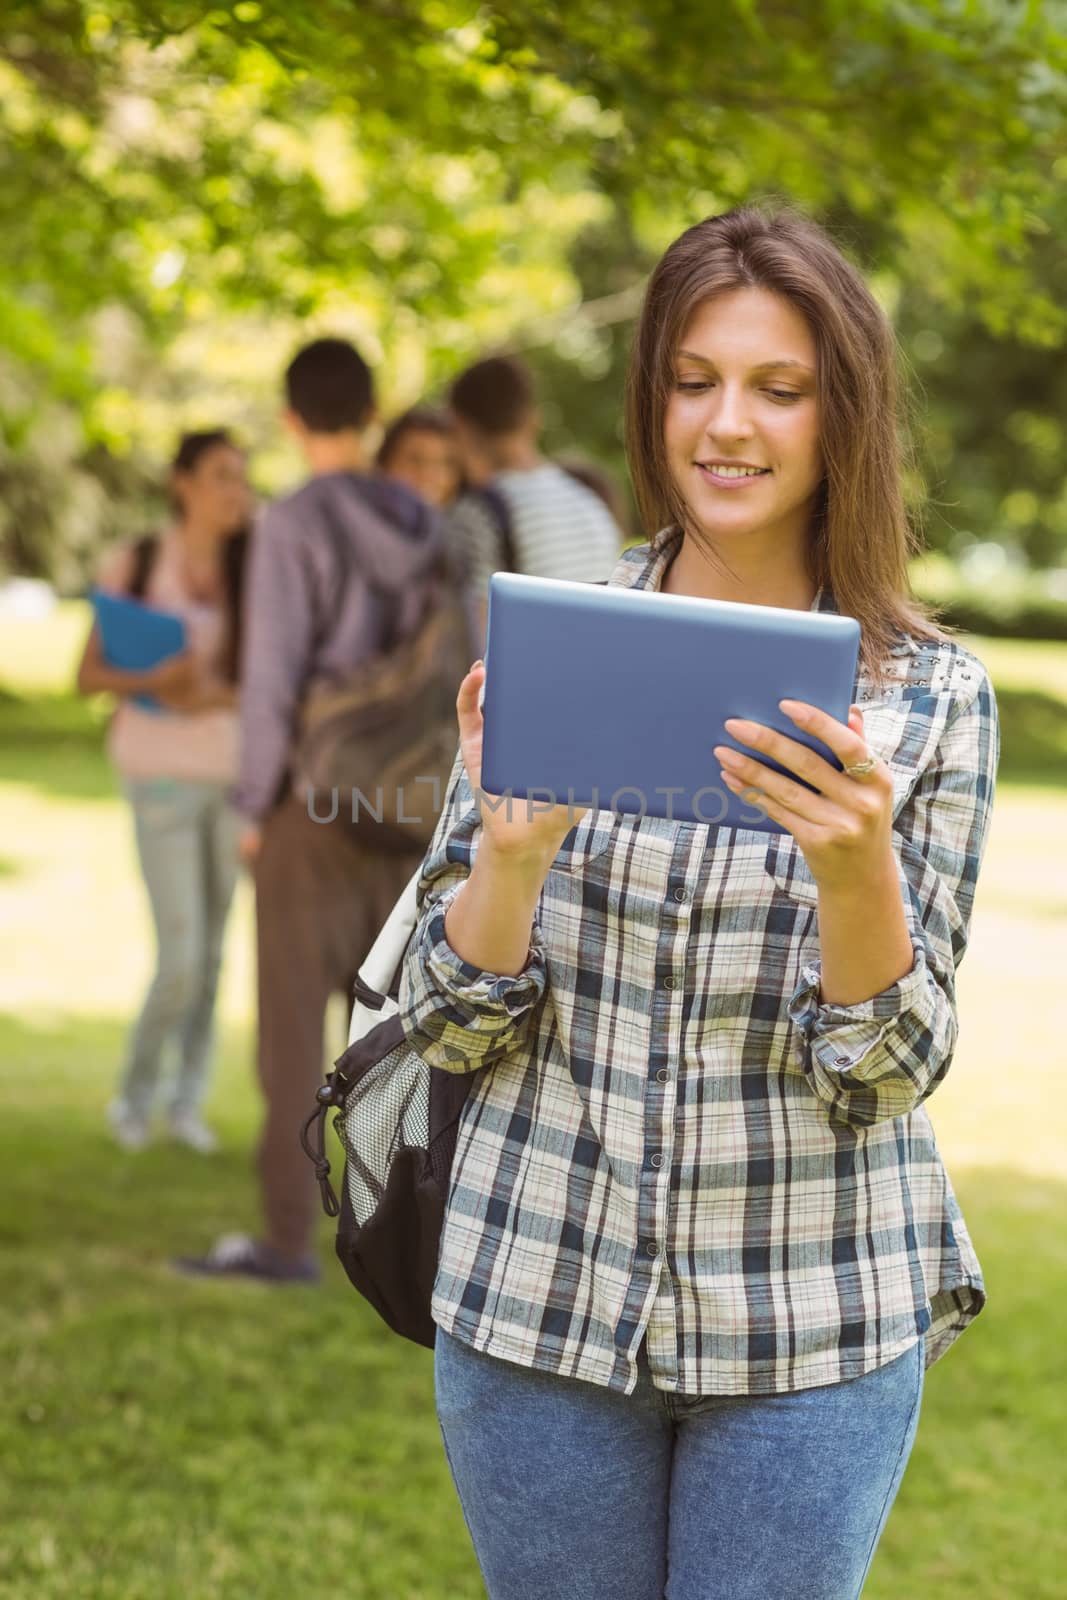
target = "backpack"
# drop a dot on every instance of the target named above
(376, 746)
(397, 1120)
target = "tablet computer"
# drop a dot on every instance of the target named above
(615, 698)
(136, 636)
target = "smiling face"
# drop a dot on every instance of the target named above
(427, 462)
(215, 492)
(743, 398)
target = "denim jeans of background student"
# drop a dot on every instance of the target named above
(573, 1492)
(187, 837)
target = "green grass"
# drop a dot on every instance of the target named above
(166, 1438)
(174, 1438)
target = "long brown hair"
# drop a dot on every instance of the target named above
(233, 556)
(861, 537)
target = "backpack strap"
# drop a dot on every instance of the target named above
(496, 505)
(380, 971)
(144, 559)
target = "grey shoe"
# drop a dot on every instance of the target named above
(236, 1255)
(131, 1131)
(189, 1128)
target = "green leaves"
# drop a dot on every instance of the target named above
(121, 109)
(420, 170)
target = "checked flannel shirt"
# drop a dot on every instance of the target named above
(674, 1138)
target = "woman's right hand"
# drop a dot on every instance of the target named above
(519, 828)
(176, 679)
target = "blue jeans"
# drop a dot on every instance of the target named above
(572, 1492)
(187, 843)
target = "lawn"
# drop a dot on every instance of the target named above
(165, 1438)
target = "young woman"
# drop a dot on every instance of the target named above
(700, 1245)
(419, 449)
(177, 768)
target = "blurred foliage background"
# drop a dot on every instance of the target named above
(186, 193)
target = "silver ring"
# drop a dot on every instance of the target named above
(860, 769)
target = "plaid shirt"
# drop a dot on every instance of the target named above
(675, 1137)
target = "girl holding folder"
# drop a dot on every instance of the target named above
(177, 765)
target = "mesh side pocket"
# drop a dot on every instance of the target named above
(442, 1152)
(386, 1111)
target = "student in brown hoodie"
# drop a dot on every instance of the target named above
(314, 610)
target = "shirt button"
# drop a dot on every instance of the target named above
(663, 1075)
(656, 1160)
(651, 1248)
(681, 895)
(670, 983)
(842, 1061)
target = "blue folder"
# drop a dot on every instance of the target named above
(135, 637)
(615, 697)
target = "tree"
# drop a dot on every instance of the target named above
(420, 171)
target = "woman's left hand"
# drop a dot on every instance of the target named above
(845, 831)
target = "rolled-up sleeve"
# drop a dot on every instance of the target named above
(457, 1016)
(883, 1056)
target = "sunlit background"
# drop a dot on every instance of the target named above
(185, 195)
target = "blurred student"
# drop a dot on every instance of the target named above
(340, 571)
(523, 512)
(419, 449)
(177, 768)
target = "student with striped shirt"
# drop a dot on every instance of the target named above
(537, 517)
(700, 1245)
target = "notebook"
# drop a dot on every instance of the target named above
(615, 698)
(136, 636)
